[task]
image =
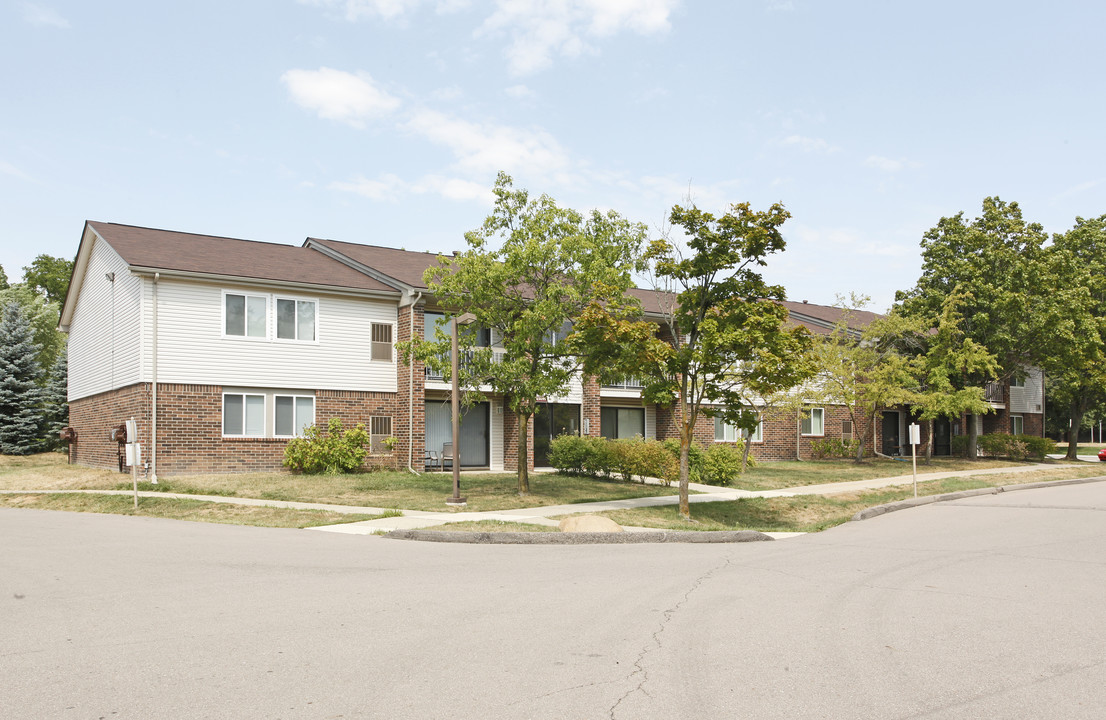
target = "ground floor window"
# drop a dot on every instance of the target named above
(616, 422)
(724, 432)
(243, 415)
(475, 434)
(551, 420)
(293, 413)
(813, 422)
(1017, 425)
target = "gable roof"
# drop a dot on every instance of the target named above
(401, 269)
(169, 251)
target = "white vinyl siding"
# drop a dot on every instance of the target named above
(650, 423)
(496, 433)
(1030, 397)
(193, 349)
(95, 330)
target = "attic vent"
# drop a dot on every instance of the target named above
(846, 430)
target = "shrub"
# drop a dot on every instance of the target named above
(694, 459)
(960, 445)
(336, 450)
(722, 463)
(654, 460)
(1037, 447)
(568, 453)
(622, 458)
(1016, 447)
(832, 448)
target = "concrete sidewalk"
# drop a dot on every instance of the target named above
(414, 519)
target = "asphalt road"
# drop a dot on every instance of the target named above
(990, 607)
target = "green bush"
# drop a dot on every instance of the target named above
(1016, 447)
(832, 448)
(654, 460)
(1037, 447)
(337, 450)
(722, 463)
(625, 459)
(569, 453)
(960, 445)
(694, 459)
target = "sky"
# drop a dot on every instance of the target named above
(385, 122)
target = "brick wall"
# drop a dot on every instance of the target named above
(190, 428)
(590, 408)
(409, 423)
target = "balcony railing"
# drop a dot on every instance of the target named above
(465, 359)
(993, 393)
(625, 384)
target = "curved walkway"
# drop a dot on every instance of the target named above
(414, 519)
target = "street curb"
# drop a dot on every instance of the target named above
(929, 499)
(584, 538)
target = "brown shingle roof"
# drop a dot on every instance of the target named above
(404, 266)
(207, 254)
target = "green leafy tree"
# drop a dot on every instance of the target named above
(941, 365)
(724, 339)
(20, 395)
(50, 276)
(55, 400)
(42, 315)
(550, 264)
(994, 260)
(3, 279)
(1073, 308)
(861, 368)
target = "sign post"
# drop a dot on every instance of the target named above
(132, 455)
(915, 438)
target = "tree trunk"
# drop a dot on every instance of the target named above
(745, 456)
(685, 471)
(859, 442)
(929, 442)
(972, 450)
(1073, 431)
(523, 454)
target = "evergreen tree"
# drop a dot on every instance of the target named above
(56, 400)
(20, 395)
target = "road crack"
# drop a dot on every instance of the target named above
(655, 643)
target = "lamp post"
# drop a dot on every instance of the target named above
(455, 404)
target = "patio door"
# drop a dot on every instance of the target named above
(890, 433)
(551, 420)
(474, 431)
(942, 437)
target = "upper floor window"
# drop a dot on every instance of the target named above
(245, 315)
(382, 342)
(1018, 382)
(813, 422)
(295, 319)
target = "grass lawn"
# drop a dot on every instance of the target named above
(1082, 448)
(811, 513)
(177, 509)
(793, 473)
(485, 491)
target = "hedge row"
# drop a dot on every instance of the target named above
(631, 459)
(1015, 447)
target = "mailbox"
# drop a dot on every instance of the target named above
(118, 434)
(68, 435)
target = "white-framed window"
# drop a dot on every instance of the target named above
(295, 319)
(245, 315)
(243, 415)
(814, 422)
(382, 342)
(1018, 382)
(380, 429)
(1017, 425)
(724, 432)
(291, 414)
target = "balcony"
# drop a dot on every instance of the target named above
(466, 359)
(624, 384)
(993, 393)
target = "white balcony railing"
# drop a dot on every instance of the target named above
(465, 358)
(625, 384)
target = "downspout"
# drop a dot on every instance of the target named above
(153, 401)
(411, 397)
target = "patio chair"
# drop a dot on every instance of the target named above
(432, 458)
(447, 454)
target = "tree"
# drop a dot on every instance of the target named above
(861, 369)
(1073, 307)
(42, 315)
(551, 263)
(20, 394)
(55, 400)
(50, 276)
(724, 339)
(946, 358)
(3, 279)
(994, 260)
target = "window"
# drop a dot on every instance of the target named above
(382, 342)
(243, 415)
(295, 319)
(380, 428)
(292, 413)
(245, 315)
(846, 430)
(1018, 382)
(1017, 425)
(813, 422)
(724, 432)
(616, 422)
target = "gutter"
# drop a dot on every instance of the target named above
(153, 401)
(241, 280)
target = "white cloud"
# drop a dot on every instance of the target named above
(390, 188)
(520, 92)
(809, 144)
(6, 168)
(882, 163)
(338, 95)
(354, 10)
(847, 240)
(540, 29)
(484, 149)
(42, 16)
